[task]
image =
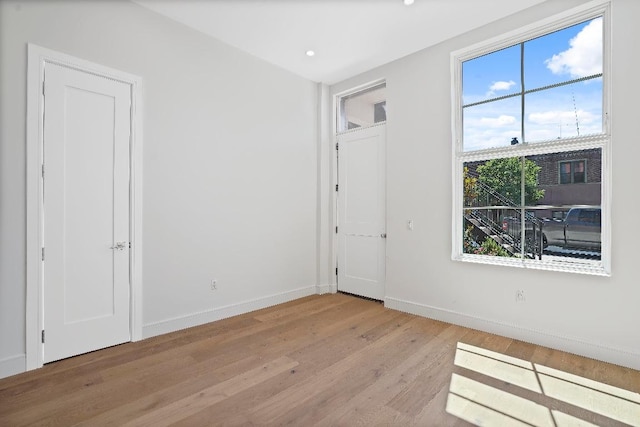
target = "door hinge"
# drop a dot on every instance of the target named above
(336, 271)
(43, 336)
(336, 187)
(43, 171)
(336, 229)
(336, 146)
(43, 254)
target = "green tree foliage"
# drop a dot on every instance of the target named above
(488, 246)
(491, 247)
(470, 188)
(503, 175)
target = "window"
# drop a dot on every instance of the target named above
(380, 112)
(529, 114)
(589, 216)
(572, 172)
(363, 108)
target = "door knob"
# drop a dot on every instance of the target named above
(119, 246)
(383, 235)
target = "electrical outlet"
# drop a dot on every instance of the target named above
(520, 296)
(214, 284)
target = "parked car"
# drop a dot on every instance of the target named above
(581, 228)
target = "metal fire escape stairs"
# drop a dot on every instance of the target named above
(509, 237)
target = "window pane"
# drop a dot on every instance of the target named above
(496, 182)
(380, 112)
(565, 172)
(564, 55)
(491, 207)
(578, 172)
(570, 212)
(491, 125)
(490, 76)
(559, 195)
(483, 233)
(564, 112)
(363, 109)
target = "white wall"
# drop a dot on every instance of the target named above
(232, 170)
(593, 316)
(230, 177)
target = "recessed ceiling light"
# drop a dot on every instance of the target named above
(408, 2)
(310, 53)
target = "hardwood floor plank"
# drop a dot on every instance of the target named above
(330, 360)
(182, 408)
(192, 383)
(224, 364)
(305, 390)
(390, 383)
(85, 402)
(370, 369)
(278, 331)
(335, 341)
(419, 392)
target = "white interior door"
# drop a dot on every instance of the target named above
(86, 303)
(361, 212)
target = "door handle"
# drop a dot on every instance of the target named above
(119, 246)
(383, 235)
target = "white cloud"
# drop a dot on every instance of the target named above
(550, 125)
(496, 122)
(562, 117)
(490, 132)
(499, 86)
(584, 56)
(502, 86)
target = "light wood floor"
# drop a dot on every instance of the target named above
(324, 360)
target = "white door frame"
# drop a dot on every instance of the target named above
(37, 58)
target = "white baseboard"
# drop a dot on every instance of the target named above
(200, 318)
(618, 356)
(13, 365)
(326, 289)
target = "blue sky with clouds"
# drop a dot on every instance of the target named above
(566, 111)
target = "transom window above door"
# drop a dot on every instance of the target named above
(362, 109)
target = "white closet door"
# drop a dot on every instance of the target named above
(86, 212)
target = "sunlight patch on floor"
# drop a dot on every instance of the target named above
(609, 405)
(493, 367)
(484, 405)
(481, 404)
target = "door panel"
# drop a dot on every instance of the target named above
(86, 212)
(361, 212)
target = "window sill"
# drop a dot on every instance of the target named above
(595, 268)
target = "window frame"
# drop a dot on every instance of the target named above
(588, 11)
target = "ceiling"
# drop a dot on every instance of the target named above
(347, 36)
